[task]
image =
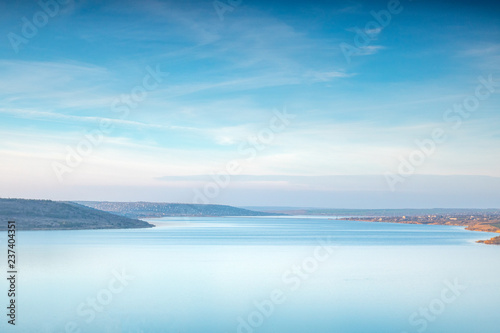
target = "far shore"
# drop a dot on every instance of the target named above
(491, 227)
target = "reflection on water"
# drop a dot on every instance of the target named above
(257, 275)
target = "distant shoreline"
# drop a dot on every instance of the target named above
(480, 227)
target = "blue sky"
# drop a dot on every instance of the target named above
(352, 122)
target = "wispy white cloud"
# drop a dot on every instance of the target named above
(32, 114)
(326, 76)
(369, 49)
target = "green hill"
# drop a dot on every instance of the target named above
(47, 214)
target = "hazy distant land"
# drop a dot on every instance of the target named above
(157, 209)
(375, 212)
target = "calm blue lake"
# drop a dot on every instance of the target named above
(256, 274)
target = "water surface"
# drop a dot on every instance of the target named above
(224, 275)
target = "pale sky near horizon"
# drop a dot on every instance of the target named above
(191, 90)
